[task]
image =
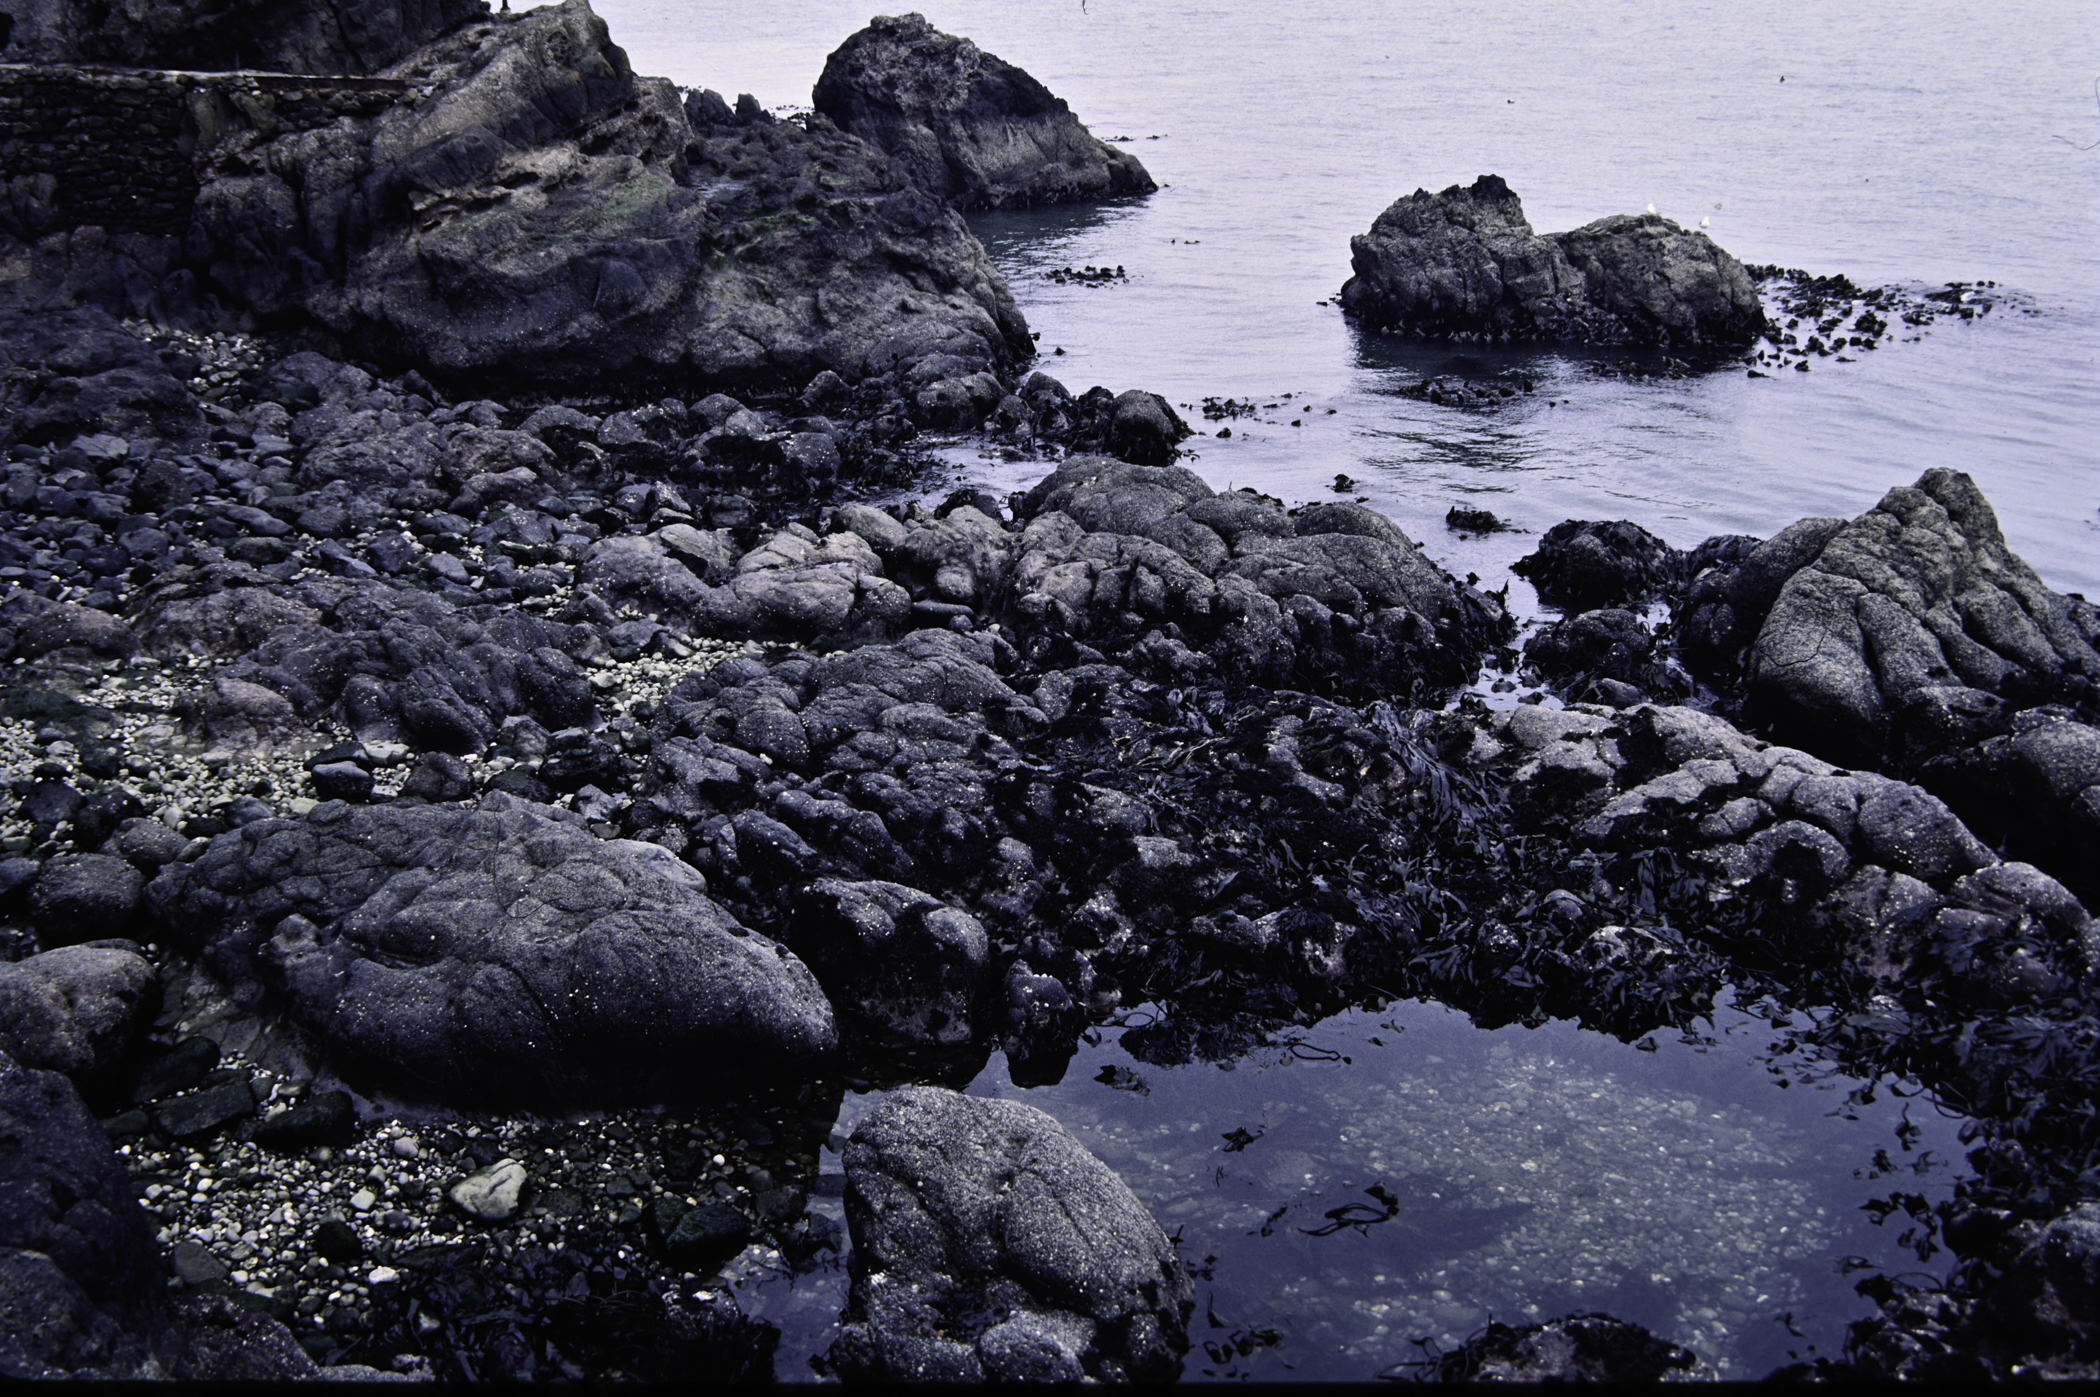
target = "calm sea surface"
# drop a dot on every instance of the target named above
(1908, 144)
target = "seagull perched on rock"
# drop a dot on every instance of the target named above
(1651, 208)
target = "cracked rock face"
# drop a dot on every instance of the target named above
(1919, 593)
(1879, 867)
(495, 952)
(990, 1245)
(1466, 262)
(964, 125)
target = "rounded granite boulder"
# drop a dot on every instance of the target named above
(495, 953)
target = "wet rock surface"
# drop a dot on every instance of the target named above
(453, 760)
(533, 167)
(966, 126)
(990, 1246)
(1466, 264)
(1919, 593)
(490, 952)
(1577, 1348)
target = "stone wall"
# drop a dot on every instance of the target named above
(121, 148)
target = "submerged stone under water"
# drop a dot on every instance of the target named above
(1399, 1174)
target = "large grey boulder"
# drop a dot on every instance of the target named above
(1663, 283)
(80, 897)
(988, 1244)
(1877, 870)
(905, 966)
(290, 36)
(538, 130)
(964, 125)
(1725, 606)
(2035, 788)
(1918, 593)
(66, 373)
(497, 952)
(1124, 557)
(532, 211)
(1466, 263)
(76, 1009)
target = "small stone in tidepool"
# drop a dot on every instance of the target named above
(335, 1240)
(326, 1119)
(491, 1194)
(342, 781)
(182, 1068)
(709, 1232)
(202, 1112)
(1470, 520)
(196, 1266)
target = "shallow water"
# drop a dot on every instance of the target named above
(1910, 143)
(1536, 1171)
(1532, 1172)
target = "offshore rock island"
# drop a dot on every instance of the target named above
(1466, 264)
(485, 783)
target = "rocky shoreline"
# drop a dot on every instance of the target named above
(475, 809)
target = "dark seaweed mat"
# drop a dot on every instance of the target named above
(588, 1311)
(1452, 903)
(1421, 885)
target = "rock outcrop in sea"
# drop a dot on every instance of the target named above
(513, 203)
(1465, 263)
(964, 125)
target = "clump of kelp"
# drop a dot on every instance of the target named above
(1346, 862)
